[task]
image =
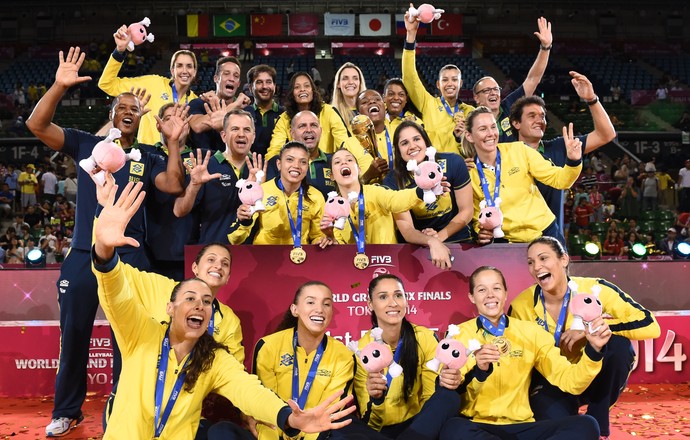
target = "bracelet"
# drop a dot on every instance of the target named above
(542, 47)
(593, 101)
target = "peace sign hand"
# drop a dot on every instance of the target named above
(572, 143)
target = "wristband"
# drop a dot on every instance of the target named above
(593, 101)
(542, 47)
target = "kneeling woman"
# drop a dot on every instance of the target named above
(299, 361)
(169, 369)
(496, 403)
(546, 303)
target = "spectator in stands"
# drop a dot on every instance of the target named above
(616, 91)
(608, 210)
(649, 242)
(12, 181)
(667, 245)
(487, 92)
(211, 190)
(206, 119)
(14, 254)
(629, 207)
(581, 214)
(650, 188)
(265, 110)
(78, 289)
(596, 163)
(661, 92)
(49, 182)
(684, 123)
(6, 201)
(33, 217)
(29, 245)
(447, 220)
(525, 214)
(613, 245)
(71, 188)
(398, 106)
(444, 116)
(528, 118)
(349, 83)
(683, 187)
(543, 303)
(596, 199)
(568, 208)
(19, 96)
(27, 185)
(6, 238)
(621, 173)
(667, 195)
(183, 70)
(19, 222)
(247, 46)
(588, 179)
(683, 223)
(32, 93)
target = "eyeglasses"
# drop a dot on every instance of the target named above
(488, 90)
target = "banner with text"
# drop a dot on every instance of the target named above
(338, 24)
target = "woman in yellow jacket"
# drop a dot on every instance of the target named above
(546, 303)
(496, 403)
(300, 361)
(177, 88)
(169, 368)
(508, 171)
(348, 84)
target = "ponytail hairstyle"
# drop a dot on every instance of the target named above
(467, 149)
(555, 246)
(410, 355)
(289, 320)
(204, 353)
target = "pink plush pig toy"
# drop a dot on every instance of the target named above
(251, 193)
(491, 217)
(107, 156)
(585, 308)
(426, 13)
(451, 352)
(138, 33)
(376, 355)
(337, 209)
(427, 175)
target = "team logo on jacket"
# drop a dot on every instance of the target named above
(442, 164)
(327, 174)
(505, 125)
(513, 171)
(165, 96)
(136, 168)
(286, 360)
(323, 372)
(271, 200)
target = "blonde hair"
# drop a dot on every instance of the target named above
(338, 100)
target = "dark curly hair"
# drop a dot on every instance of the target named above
(291, 107)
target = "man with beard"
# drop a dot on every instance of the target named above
(211, 191)
(262, 83)
(487, 92)
(206, 118)
(77, 286)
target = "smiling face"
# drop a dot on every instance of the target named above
(388, 302)
(489, 294)
(313, 310)
(183, 70)
(349, 83)
(532, 124)
(483, 133)
(126, 114)
(263, 88)
(190, 310)
(488, 94)
(293, 165)
(449, 83)
(306, 128)
(238, 134)
(303, 92)
(547, 268)
(395, 98)
(344, 167)
(411, 145)
(227, 80)
(213, 266)
(370, 103)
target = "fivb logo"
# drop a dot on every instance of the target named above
(381, 260)
(340, 22)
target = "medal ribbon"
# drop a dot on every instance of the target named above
(174, 94)
(295, 228)
(396, 357)
(389, 144)
(485, 182)
(161, 420)
(561, 317)
(489, 327)
(450, 112)
(301, 398)
(358, 233)
(210, 321)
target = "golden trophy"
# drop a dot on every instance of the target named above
(363, 129)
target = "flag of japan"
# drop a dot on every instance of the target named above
(374, 25)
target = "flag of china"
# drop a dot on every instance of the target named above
(266, 25)
(448, 24)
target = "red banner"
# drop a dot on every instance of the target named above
(448, 24)
(266, 25)
(303, 24)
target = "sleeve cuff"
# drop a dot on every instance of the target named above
(482, 375)
(246, 223)
(108, 265)
(410, 46)
(118, 56)
(573, 163)
(283, 415)
(592, 353)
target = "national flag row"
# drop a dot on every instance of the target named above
(264, 25)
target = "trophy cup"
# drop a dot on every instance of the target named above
(363, 129)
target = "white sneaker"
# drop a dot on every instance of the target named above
(61, 426)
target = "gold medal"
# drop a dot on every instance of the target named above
(459, 116)
(361, 261)
(298, 255)
(503, 345)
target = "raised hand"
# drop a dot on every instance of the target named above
(583, 86)
(67, 73)
(109, 228)
(216, 110)
(411, 26)
(176, 126)
(573, 144)
(255, 163)
(122, 38)
(144, 98)
(197, 167)
(323, 416)
(544, 34)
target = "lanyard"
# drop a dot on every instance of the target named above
(161, 420)
(396, 359)
(359, 232)
(301, 398)
(389, 144)
(174, 93)
(561, 318)
(210, 321)
(296, 229)
(485, 182)
(448, 110)
(489, 327)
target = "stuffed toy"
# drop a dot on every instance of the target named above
(585, 308)
(138, 33)
(107, 156)
(376, 355)
(337, 209)
(251, 193)
(427, 175)
(451, 352)
(491, 217)
(426, 13)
